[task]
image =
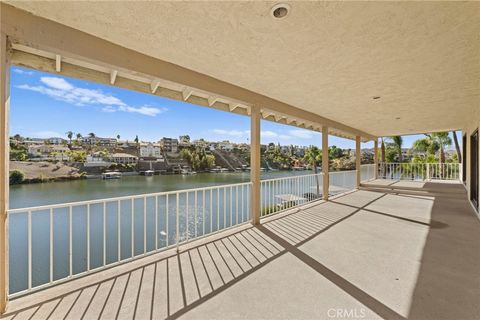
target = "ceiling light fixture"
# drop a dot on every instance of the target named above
(280, 10)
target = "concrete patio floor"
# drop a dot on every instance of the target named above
(366, 254)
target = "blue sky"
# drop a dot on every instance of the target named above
(45, 105)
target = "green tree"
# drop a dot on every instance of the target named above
(313, 155)
(16, 177)
(334, 152)
(70, 136)
(92, 135)
(397, 143)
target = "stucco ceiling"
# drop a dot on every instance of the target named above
(331, 58)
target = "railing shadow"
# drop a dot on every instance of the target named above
(170, 286)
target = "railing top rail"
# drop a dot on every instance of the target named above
(114, 199)
(420, 163)
(293, 177)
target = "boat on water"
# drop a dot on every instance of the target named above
(149, 173)
(111, 175)
(188, 172)
(298, 168)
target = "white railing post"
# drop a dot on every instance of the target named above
(325, 162)
(255, 164)
(375, 157)
(428, 172)
(358, 157)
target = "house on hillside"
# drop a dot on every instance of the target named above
(99, 141)
(48, 152)
(150, 150)
(169, 144)
(122, 158)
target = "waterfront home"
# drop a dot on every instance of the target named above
(225, 146)
(56, 140)
(169, 145)
(95, 160)
(122, 158)
(43, 152)
(150, 150)
(99, 141)
(400, 242)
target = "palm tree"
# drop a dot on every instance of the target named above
(397, 142)
(457, 146)
(443, 140)
(70, 136)
(79, 136)
(92, 135)
(382, 148)
(313, 155)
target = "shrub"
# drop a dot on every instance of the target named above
(16, 177)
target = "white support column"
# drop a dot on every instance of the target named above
(325, 163)
(256, 115)
(358, 157)
(375, 157)
(4, 166)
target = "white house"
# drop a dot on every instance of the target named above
(56, 140)
(123, 158)
(225, 146)
(150, 150)
(49, 152)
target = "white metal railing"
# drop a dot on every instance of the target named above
(285, 193)
(367, 172)
(419, 171)
(342, 181)
(54, 243)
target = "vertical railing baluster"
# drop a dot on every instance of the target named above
(156, 222)
(196, 213)
(203, 212)
(104, 233)
(144, 225)
(218, 209)
(70, 241)
(224, 208)
(177, 218)
(186, 216)
(51, 245)
(211, 210)
(88, 237)
(133, 227)
(30, 244)
(166, 221)
(119, 230)
(236, 204)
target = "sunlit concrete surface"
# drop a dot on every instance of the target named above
(368, 254)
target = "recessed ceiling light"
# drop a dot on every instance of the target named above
(376, 97)
(280, 10)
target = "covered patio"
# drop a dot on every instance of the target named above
(276, 248)
(389, 255)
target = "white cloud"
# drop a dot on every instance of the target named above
(23, 72)
(302, 134)
(62, 90)
(269, 134)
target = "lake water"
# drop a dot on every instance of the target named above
(29, 195)
(104, 234)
